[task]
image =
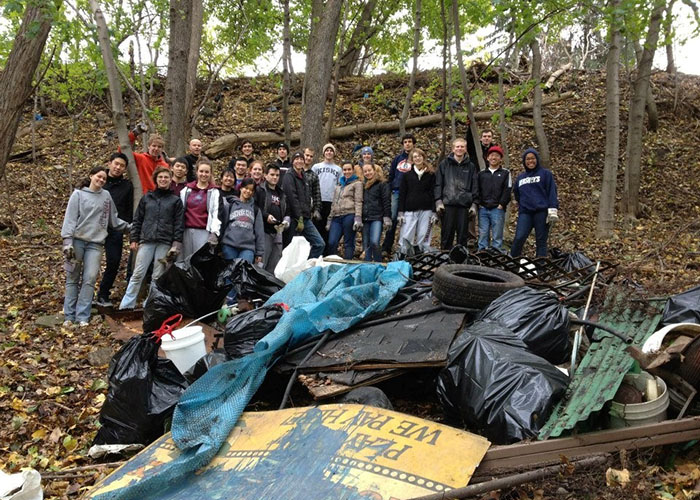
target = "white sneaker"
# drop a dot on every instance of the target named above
(67, 323)
(83, 323)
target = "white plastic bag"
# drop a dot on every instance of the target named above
(25, 485)
(293, 260)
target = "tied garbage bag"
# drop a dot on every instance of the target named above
(244, 330)
(192, 288)
(209, 360)
(494, 386)
(143, 392)
(682, 308)
(537, 318)
(572, 261)
(251, 282)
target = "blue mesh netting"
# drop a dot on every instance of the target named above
(321, 298)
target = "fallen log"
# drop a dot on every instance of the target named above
(229, 142)
(556, 75)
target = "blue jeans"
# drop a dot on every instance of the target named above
(491, 221)
(147, 253)
(391, 232)
(371, 232)
(231, 253)
(80, 282)
(342, 225)
(313, 237)
(526, 221)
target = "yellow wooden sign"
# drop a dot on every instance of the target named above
(338, 451)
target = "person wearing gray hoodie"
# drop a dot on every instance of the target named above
(89, 214)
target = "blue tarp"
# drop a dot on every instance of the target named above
(321, 298)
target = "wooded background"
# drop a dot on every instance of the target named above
(76, 52)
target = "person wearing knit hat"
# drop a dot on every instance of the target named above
(328, 173)
(494, 195)
(282, 160)
(366, 156)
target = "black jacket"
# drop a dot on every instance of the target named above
(160, 218)
(494, 188)
(122, 192)
(376, 202)
(268, 205)
(456, 182)
(416, 194)
(298, 194)
(191, 162)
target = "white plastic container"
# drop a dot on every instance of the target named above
(648, 412)
(186, 348)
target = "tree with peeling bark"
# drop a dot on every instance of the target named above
(635, 121)
(606, 210)
(115, 92)
(325, 16)
(183, 58)
(18, 74)
(414, 70)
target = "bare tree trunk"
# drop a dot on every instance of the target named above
(668, 34)
(537, 103)
(606, 210)
(465, 82)
(176, 113)
(445, 42)
(336, 81)
(319, 61)
(412, 80)
(635, 124)
(286, 59)
(193, 63)
(17, 75)
(652, 112)
(365, 28)
(115, 92)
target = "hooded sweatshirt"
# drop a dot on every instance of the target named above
(535, 189)
(244, 227)
(89, 214)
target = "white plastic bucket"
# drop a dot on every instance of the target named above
(186, 348)
(648, 412)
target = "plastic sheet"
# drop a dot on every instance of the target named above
(682, 308)
(572, 261)
(537, 318)
(244, 330)
(251, 282)
(494, 386)
(143, 391)
(192, 288)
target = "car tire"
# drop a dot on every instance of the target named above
(464, 285)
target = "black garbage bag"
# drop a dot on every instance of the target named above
(572, 261)
(251, 282)
(537, 318)
(245, 329)
(192, 288)
(143, 392)
(494, 386)
(209, 360)
(370, 396)
(682, 308)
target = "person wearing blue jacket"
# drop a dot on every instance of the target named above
(535, 192)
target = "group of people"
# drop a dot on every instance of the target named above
(254, 210)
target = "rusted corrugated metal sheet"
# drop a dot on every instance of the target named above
(601, 370)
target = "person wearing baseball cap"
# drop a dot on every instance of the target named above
(495, 186)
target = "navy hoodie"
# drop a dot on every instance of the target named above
(535, 189)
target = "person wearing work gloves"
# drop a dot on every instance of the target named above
(298, 195)
(89, 214)
(494, 195)
(156, 233)
(376, 210)
(275, 215)
(202, 205)
(416, 205)
(456, 194)
(536, 195)
(345, 217)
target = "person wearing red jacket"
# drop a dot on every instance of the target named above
(146, 163)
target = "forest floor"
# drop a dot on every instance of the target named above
(53, 380)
